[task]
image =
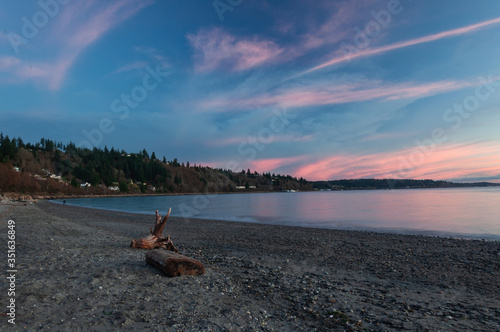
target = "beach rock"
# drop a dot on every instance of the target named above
(5, 199)
(174, 264)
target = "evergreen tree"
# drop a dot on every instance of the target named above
(20, 143)
(123, 186)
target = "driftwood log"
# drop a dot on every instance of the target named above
(174, 264)
(156, 238)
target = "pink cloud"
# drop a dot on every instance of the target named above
(130, 66)
(79, 25)
(102, 20)
(344, 15)
(32, 71)
(329, 94)
(8, 62)
(443, 163)
(407, 43)
(59, 71)
(215, 49)
(17, 71)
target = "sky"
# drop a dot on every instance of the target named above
(322, 90)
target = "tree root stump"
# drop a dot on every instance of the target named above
(174, 264)
(156, 238)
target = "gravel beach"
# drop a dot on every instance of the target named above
(77, 272)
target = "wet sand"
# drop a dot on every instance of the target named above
(77, 272)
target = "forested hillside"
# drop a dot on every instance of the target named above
(53, 167)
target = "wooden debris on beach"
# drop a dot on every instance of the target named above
(174, 264)
(169, 261)
(156, 238)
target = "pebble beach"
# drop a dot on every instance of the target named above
(76, 271)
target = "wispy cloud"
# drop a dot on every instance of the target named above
(84, 23)
(273, 164)
(338, 26)
(131, 66)
(16, 71)
(236, 140)
(412, 42)
(8, 62)
(32, 71)
(329, 93)
(311, 32)
(215, 49)
(154, 54)
(80, 25)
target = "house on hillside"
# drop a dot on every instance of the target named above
(57, 178)
(39, 177)
(244, 187)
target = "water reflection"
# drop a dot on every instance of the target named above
(470, 211)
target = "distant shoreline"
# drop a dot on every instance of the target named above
(23, 197)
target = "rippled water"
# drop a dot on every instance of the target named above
(468, 212)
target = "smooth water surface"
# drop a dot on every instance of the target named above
(468, 212)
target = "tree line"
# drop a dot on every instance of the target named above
(366, 184)
(50, 166)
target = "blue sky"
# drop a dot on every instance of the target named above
(322, 90)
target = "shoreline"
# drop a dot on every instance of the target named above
(19, 197)
(76, 269)
(400, 231)
(22, 197)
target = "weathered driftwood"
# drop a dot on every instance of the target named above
(156, 238)
(173, 264)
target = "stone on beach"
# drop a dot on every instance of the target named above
(174, 264)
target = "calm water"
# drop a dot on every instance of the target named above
(467, 212)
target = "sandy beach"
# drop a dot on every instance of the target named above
(76, 271)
